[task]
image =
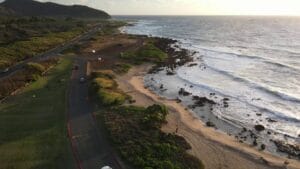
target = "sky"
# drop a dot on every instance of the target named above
(192, 7)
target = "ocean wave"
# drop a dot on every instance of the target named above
(281, 65)
(283, 96)
(274, 113)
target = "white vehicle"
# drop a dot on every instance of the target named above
(5, 70)
(93, 51)
(99, 59)
(82, 80)
(106, 167)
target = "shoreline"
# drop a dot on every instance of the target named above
(206, 143)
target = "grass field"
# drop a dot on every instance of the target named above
(21, 50)
(33, 124)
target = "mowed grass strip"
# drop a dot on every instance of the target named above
(33, 124)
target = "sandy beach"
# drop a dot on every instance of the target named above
(217, 150)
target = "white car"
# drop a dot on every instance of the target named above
(5, 70)
(106, 167)
(82, 80)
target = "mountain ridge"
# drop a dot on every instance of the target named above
(50, 9)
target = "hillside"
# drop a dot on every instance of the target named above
(5, 12)
(49, 9)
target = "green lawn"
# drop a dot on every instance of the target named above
(33, 124)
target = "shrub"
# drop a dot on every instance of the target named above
(148, 53)
(110, 97)
(4, 64)
(103, 73)
(104, 83)
(148, 147)
(121, 67)
(35, 68)
(155, 115)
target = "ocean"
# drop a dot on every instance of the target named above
(253, 61)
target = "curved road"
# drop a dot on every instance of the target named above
(52, 52)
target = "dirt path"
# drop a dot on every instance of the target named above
(215, 149)
(89, 143)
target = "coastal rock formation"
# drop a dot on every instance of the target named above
(292, 150)
(201, 101)
(183, 92)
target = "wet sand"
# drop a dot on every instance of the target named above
(217, 150)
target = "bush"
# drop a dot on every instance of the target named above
(121, 68)
(4, 64)
(148, 53)
(103, 73)
(148, 147)
(35, 68)
(104, 83)
(155, 115)
(110, 97)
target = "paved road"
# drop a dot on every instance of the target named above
(90, 146)
(52, 52)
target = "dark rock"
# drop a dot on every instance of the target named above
(178, 100)
(259, 127)
(292, 150)
(170, 73)
(263, 147)
(132, 101)
(255, 142)
(244, 129)
(226, 99)
(192, 64)
(286, 162)
(210, 124)
(183, 92)
(264, 160)
(271, 120)
(203, 100)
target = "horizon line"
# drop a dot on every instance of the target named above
(205, 15)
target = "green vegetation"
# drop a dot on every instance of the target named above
(147, 53)
(32, 72)
(106, 89)
(21, 50)
(105, 83)
(103, 73)
(35, 68)
(14, 29)
(111, 97)
(121, 68)
(33, 132)
(36, 8)
(136, 133)
(111, 27)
